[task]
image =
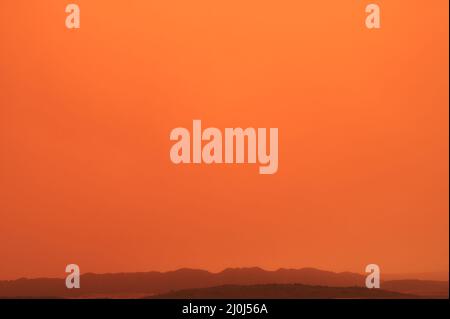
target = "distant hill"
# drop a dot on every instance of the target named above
(129, 285)
(434, 276)
(428, 288)
(283, 291)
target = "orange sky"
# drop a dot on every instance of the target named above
(85, 117)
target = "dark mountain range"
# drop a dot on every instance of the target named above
(282, 291)
(134, 285)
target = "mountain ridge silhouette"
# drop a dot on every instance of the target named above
(142, 284)
(283, 291)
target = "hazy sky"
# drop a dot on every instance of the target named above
(85, 117)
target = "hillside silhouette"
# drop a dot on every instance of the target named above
(283, 291)
(134, 285)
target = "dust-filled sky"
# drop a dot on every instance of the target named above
(85, 118)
